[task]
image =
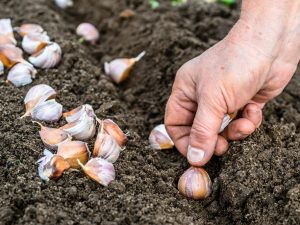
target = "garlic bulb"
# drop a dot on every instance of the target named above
(48, 111)
(37, 94)
(111, 128)
(82, 129)
(195, 183)
(10, 55)
(51, 166)
(29, 28)
(7, 31)
(118, 69)
(226, 120)
(35, 42)
(77, 113)
(48, 57)
(106, 147)
(1, 68)
(99, 170)
(21, 74)
(88, 32)
(72, 151)
(53, 137)
(63, 4)
(159, 138)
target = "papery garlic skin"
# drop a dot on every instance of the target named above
(118, 69)
(78, 112)
(29, 28)
(48, 111)
(226, 120)
(48, 57)
(10, 55)
(63, 4)
(21, 74)
(1, 68)
(99, 170)
(35, 42)
(106, 147)
(73, 151)
(88, 32)
(51, 166)
(160, 139)
(195, 183)
(81, 129)
(7, 30)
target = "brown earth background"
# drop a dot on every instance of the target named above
(257, 182)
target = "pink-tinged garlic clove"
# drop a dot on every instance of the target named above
(48, 57)
(63, 4)
(35, 42)
(6, 30)
(195, 183)
(159, 138)
(21, 74)
(29, 28)
(78, 112)
(118, 69)
(99, 170)
(88, 32)
(48, 111)
(11, 55)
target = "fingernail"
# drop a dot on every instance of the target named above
(195, 155)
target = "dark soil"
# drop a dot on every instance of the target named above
(257, 182)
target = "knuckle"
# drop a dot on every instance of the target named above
(201, 132)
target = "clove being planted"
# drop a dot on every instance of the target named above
(159, 138)
(88, 32)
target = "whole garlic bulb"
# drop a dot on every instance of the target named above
(29, 28)
(21, 74)
(7, 30)
(159, 138)
(63, 4)
(99, 170)
(35, 42)
(195, 183)
(88, 32)
(48, 57)
(48, 111)
(118, 69)
(10, 55)
(1, 68)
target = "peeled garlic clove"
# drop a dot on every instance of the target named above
(37, 94)
(99, 170)
(77, 113)
(226, 120)
(7, 30)
(51, 166)
(21, 74)
(195, 183)
(111, 128)
(72, 151)
(48, 111)
(53, 137)
(1, 68)
(88, 32)
(159, 138)
(35, 42)
(10, 55)
(48, 57)
(63, 4)
(106, 147)
(81, 129)
(119, 69)
(29, 28)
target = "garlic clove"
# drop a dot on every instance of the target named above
(118, 69)
(63, 4)
(36, 95)
(7, 30)
(159, 138)
(10, 55)
(21, 74)
(81, 129)
(111, 128)
(1, 68)
(53, 137)
(29, 28)
(72, 151)
(195, 183)
(48, 57)
(226, 120)
(88, 32)
(76, 113)
(35, 42)
(106, 147)
(99, 170)
(51, 166)
(4, 40)
(48, 111)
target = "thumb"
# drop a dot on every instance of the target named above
(204, 134)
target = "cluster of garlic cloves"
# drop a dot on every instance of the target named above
(88, 32)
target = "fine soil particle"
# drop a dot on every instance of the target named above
(257, 182)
